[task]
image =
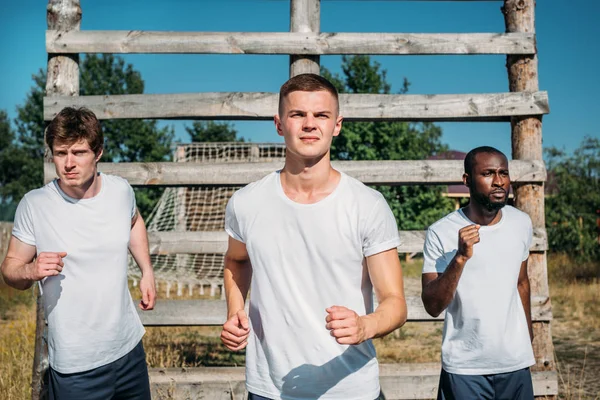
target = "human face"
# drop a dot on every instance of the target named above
(75, 163)
(308, 122)
(489, 182)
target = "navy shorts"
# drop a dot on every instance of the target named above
(252, 396)
(125, 378)
(515, 385)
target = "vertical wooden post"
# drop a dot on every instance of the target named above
(62, 80)
(519, 16)
(305, 16)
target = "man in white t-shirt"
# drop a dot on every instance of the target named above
(72, 236)
(475, 268)
(310, 243)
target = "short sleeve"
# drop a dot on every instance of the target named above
(528, 239)
(433, 254)
(132, 203)
(23, 224)
(232, 226)
(381, 230)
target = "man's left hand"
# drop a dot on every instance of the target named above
(148, 289)
(345, 325)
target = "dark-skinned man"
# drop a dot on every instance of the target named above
(475, 268)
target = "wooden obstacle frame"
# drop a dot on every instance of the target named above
(524, 105)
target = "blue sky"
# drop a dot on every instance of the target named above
(566, 38)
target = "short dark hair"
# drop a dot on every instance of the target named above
(306, 83)
(74, 124)
(470, 157)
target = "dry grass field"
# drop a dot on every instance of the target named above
(575, 290)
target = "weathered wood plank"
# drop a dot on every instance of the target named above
(301, 41)
(305, 17)
(216, 242)
(398, 382)
(62, 79)
(263, 106)
(369, 172)
(214, 312)
(526, 135)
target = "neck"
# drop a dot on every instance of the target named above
(85, 191)
(482, 216)
(308, 181)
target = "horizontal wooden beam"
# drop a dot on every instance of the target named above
(173, 242)
(370, 172)
(398, 382)
(263, 106)
(214, 312)
(302, 43)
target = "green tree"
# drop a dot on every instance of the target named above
(9, 171)
(211, 131)
(414, 206)
(573, 200)
(125, 140)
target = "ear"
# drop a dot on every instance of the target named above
(100, 152)
(277, 121)
(466, 179)
(338, 125)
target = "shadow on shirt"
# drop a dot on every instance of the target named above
(312, 381)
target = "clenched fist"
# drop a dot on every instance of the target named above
(345, 325)
(467, 238)
(235, 331)
(46, 264)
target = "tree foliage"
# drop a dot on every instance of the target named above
(211, 131)
(573, 200)
(125, 140)
(414, 206)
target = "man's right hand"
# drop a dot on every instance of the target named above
(235, 331)
(46, 264)
(467, 237)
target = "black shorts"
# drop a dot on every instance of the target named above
(125, 378)
(515, 385)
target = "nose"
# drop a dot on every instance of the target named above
(309, 122)
(70, 161)
(499, 180)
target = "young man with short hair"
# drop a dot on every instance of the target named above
(475, 268)
(73, 235)
(311, 242)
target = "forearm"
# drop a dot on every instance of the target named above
(16, 273)
(390, 315)
(139, 247)
(236, 279)
(525, 294)
(438, 293)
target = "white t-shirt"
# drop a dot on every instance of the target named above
(485, 330)
(305, 258)
(92, 320)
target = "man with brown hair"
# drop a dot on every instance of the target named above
(312, 243)
(72, 236)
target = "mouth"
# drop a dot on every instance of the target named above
(309, 139)
(498, 194)
(71, 175)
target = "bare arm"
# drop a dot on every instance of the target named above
(21, 268)
(438, 289)
(237, 275)
(140, 250)
(386, 275)
(525, 294)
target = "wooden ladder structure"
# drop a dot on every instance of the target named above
(523, 106)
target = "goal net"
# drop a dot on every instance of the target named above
(200, 208)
